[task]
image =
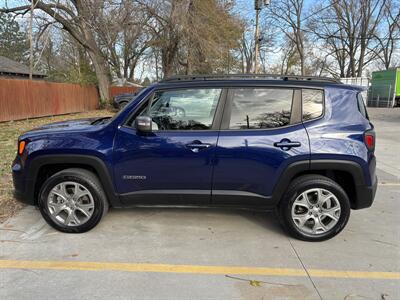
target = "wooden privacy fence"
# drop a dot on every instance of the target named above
(21, 99)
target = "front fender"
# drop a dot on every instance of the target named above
(97, 164)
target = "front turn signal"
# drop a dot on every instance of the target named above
(21, 147)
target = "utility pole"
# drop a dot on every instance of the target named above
(31, 41)
(257, 41)
(258, 5)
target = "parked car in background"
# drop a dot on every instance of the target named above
(301, 145)
(121, 100)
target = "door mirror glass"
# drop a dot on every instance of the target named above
(143, 123)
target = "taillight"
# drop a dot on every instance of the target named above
(369, 140)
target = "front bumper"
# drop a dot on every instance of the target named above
(22, 197)
(23, 191)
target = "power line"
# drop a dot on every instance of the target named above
(344, 37)
(318, 11)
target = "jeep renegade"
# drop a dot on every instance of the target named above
(301, 145)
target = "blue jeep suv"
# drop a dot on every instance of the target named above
(301, 145)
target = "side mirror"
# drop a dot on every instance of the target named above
(143, 124)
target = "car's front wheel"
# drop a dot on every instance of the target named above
(123, 104)
(314, 208)
(72, 200)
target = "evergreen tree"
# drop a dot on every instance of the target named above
(13, 42)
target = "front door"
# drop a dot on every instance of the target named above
(172, 164)
(261, 134)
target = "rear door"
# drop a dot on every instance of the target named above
(261, 134)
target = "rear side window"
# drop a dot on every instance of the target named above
(361, 106)
(260, 108)
(313, 103)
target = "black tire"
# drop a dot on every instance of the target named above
(88, 180)
(122, 104)
(302, 184)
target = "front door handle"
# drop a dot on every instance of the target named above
(197, 146)
(286, 144)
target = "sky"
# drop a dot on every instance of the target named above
(245, 8)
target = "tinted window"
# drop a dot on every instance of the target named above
(361, 106)
(191, 109)
(260, 108)
(313, 101)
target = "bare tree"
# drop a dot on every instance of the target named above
(122, 37)
(290, 57)
(165, 19)
(388, 36)
(247, 52)
(193, 35)
(288, 15)
(347, 28)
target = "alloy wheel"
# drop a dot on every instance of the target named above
(70, 204)
(316, 211)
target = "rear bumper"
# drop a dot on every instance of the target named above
(365, 195)
(365, 180)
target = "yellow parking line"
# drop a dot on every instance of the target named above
(192, 269)
(389, 184)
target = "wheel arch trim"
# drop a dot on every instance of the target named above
(94, 162)
(296, 168)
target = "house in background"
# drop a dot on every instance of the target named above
(11, 69)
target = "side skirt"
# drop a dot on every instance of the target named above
(218, 198)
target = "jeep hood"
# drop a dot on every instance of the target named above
(70, 124)
(64, 126)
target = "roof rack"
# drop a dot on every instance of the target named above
(179, 78)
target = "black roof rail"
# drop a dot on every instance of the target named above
(179, 78)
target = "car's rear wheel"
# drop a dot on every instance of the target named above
(73, 200)
(314, 208)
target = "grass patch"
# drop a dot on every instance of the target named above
(9, 132)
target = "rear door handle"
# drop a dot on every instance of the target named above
(286, 144)
(196, 147)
